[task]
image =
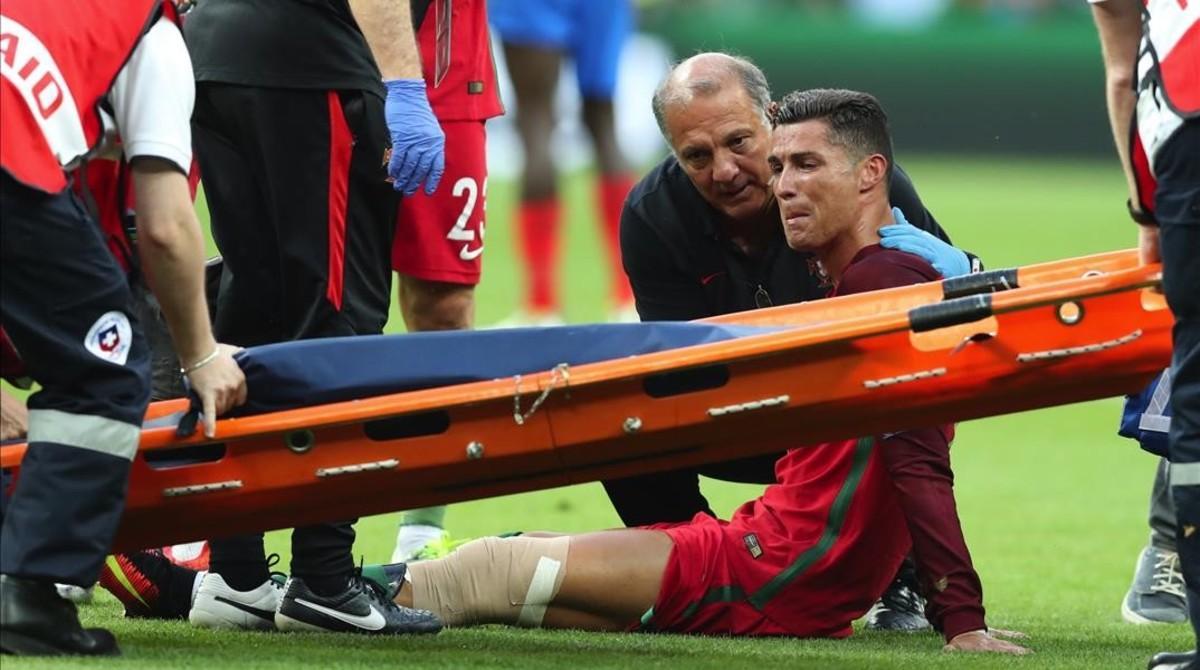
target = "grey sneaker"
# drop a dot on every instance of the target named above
(1156, 594)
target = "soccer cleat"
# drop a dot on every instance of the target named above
(901, 608)
(1185, 660)
(220, 606)
(439, 546)
(35, 621)
(149, 585)
(191, 555)
(363, 607)
(387, 575)
(80, 595)
(1156, 594)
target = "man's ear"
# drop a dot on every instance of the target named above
(872, 171)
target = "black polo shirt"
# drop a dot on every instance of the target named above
(683, 267)
(305, 44)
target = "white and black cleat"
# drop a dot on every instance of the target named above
(363, 607)
(217, 605)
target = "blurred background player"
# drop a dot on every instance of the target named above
(438, 250)
(304, 112)
(536, 35)
(120, 70)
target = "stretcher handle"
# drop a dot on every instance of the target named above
(950, 313)
(980, 282)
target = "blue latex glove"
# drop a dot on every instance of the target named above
(903, 236)
(418, 143)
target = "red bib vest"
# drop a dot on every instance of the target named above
(58, 60)
(1172, 39)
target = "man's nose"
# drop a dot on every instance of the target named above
(725, 167)
(783, 186)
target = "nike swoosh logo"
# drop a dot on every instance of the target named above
(468, 254)
(372, 621)
(267, 615)
(706, 279)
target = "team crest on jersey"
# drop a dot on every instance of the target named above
(752, 545)
(110, 338)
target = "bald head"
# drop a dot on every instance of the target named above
(705, 74)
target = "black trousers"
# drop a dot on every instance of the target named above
(1177, 208)
(66, 306)
(303, 216)
(674, 496)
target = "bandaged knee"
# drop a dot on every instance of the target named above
(508, 580)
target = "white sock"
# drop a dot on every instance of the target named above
(411, 538)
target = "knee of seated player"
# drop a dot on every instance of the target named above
(431, 305)
(492, 580)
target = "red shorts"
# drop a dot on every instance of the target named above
(439, 237)
(807, 568)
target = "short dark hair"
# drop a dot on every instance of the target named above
(856, 120)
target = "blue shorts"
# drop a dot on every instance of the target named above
(591, 31)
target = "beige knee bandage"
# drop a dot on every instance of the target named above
(492, 580)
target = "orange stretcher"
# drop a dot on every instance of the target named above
(981, 345)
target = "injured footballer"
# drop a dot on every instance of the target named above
(813, 552)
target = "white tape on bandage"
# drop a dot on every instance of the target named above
(541, 590)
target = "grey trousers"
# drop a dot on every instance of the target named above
(1162, 509)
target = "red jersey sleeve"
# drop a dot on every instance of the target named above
(918, 462)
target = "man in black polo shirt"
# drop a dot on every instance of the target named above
(700, 236)
(305, 110)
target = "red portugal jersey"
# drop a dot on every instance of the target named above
(456, 57)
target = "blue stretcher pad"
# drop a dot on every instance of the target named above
(315, 372)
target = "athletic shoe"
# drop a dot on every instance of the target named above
(1185, 660)
(1156, 594)
(220, 606)
(439, 546)
(901, 608)
(35, 621)
(524, 319)
(191, 555)
(363, 607)
(626, 313)
(149, 585)
(387, 575)
(80, 595)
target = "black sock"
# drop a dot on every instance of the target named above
(241, 561)
(176, 599)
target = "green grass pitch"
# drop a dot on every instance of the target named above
(1053, 503)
